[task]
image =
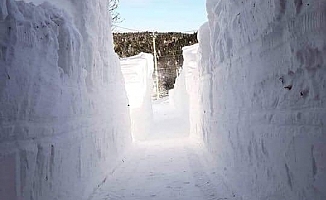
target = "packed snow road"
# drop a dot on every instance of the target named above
(164, 167)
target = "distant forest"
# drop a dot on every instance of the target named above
(169, 51)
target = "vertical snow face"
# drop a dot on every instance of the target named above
(137, 71)
(190, 73)
(266, 97)
(184, 96)
(178, 96)
(192, 86)
(63, 111)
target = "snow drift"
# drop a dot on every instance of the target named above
(137, 71)
(264, 91)
(63, 111)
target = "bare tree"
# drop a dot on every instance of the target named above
(113, 5)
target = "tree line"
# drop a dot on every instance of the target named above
(169, 51)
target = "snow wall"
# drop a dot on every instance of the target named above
(264, 96)
(64, 117)
(185, 97)
(178, 96)
(137, 71)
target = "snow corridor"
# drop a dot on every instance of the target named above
(76, 122)
(167, 165)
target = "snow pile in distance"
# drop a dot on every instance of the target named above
(137, 71)
(63, 111)
(178, 96)
(264, 85)
(185, 96)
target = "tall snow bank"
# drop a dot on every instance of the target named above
(63, 110)
(265, 90)
(186, 95)
(137, 71)
(191, 89)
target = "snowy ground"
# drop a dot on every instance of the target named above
(168, 165)
(168, 122)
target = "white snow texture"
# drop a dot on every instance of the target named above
(184, 96)
(262, 74)
(64, 117)
(137, 71)
(254, 90)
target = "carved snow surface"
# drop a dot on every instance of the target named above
(264, 91)
(64, 118)
(137, 71)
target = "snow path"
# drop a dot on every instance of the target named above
(164, 167)
(167, 122)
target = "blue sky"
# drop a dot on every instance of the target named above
(162, 15)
